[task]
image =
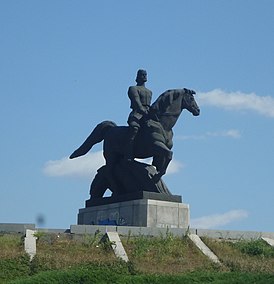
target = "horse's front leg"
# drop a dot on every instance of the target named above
(162, 158)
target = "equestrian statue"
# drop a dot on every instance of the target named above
(149, 134)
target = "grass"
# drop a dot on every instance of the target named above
(53, 253)
(255, 248)
(244, 256)
(117, 275)
(166, 254)
(165, 259)
(10, 246)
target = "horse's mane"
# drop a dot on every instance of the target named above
(163, 102)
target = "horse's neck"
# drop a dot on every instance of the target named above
(168, 108)
(168, 121)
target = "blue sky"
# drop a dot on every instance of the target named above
(67, 65)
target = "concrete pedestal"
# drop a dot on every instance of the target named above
(140, 213)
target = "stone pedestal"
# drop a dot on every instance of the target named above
(143, 212)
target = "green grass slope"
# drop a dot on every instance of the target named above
(165, 259)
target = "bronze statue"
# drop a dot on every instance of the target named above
(140, 100)
(153, 139)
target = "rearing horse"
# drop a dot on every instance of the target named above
(154, 138)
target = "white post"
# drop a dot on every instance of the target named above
(30, 243)
(117, 245)
(203, 248)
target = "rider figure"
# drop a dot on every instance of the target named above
(140, 99)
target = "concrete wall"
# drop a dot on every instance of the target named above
(135, 231)
(15, 228)
(153, 231)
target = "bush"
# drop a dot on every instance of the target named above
(14, 268)
(255, 248)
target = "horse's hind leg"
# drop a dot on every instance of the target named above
(99, 184)
(111, 161)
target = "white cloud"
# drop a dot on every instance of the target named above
(238, 101)
(174, 167)
(190, 137)
(231, 133)
(87, 166)
(217, 220)
(84, 166)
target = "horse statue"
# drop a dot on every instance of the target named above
(153, 140)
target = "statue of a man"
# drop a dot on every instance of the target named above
(140, 100)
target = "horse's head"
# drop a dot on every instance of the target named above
(189, 103)
(169, 105)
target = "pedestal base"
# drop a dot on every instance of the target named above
(140, 212)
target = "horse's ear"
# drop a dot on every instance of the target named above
(188, 91)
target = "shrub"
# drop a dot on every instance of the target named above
(255, 248)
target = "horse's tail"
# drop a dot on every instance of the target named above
(96, 136)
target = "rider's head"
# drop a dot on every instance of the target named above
(141, 76)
